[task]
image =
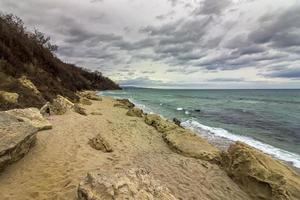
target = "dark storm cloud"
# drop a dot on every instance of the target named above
(293, 73)
(281, 30)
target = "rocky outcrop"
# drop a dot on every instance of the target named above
(131, 184)
(189, 144)
(184, 141)
(135, 112)
(32, 116)
(159, 123)
(80, 110)
(61, 105)
(85, 101)
(16, 139)
(124, 103)
(8, 97)
(28, 84)
(261, 176)
(99, 143)
(92, 95)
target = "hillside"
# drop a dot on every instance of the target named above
(27, 59)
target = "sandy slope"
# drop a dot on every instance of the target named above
(62, 157)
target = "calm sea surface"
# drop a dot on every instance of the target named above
(266, 119)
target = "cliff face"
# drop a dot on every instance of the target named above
(29, 69)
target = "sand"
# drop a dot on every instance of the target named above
(62, 157)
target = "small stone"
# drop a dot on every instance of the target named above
(99, 143)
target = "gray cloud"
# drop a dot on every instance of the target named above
(187, 38)
(209, 7)
(293, 73)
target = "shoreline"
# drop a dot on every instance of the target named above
(217, 144)
(62, 156)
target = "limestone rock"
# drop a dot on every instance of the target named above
(32, 116)
(135, 112)
(124, 103)
(80, 110)
(92, 95)
(61, 105)
(159, 123)
(28, 84)
(85, 101)
(8, 97)
(46, 109)
(189, 144)
(16, 139)
(261, 176)
(131, 184)
(177, 121)
(99, 143)
(183, 141)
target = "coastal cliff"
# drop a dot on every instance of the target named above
(30, 72)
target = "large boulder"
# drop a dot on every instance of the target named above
(261, 176)
(31, 116)
(183, 141)
(16, 139)
(28, 84)
(132, 184)
(124, 103)
(135, 112)
(92, 95)
(61, 105)
(8, 97)
(159, 123)
(189, 144)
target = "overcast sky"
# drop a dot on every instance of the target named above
(174, 43)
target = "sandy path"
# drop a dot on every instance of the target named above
(62, 157)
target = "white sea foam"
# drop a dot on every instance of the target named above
(219, 132)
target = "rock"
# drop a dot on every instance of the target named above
(124, 103)
(99, 143)
(177, 121)
(80, 110)
(8, 97)
(32, 116)
(96, 113)
(184, 141)
(135, 112)
(92, 95)
(46, 109)
(160, 124)
(61, 105)
(131, 184)
(261, 176)
(16, 139)
(85, 101)
(28, 84)
(191, 145)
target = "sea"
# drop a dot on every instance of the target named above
(268, 120)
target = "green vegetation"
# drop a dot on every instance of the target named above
(23, 53)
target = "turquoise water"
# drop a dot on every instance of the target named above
(266, 119)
